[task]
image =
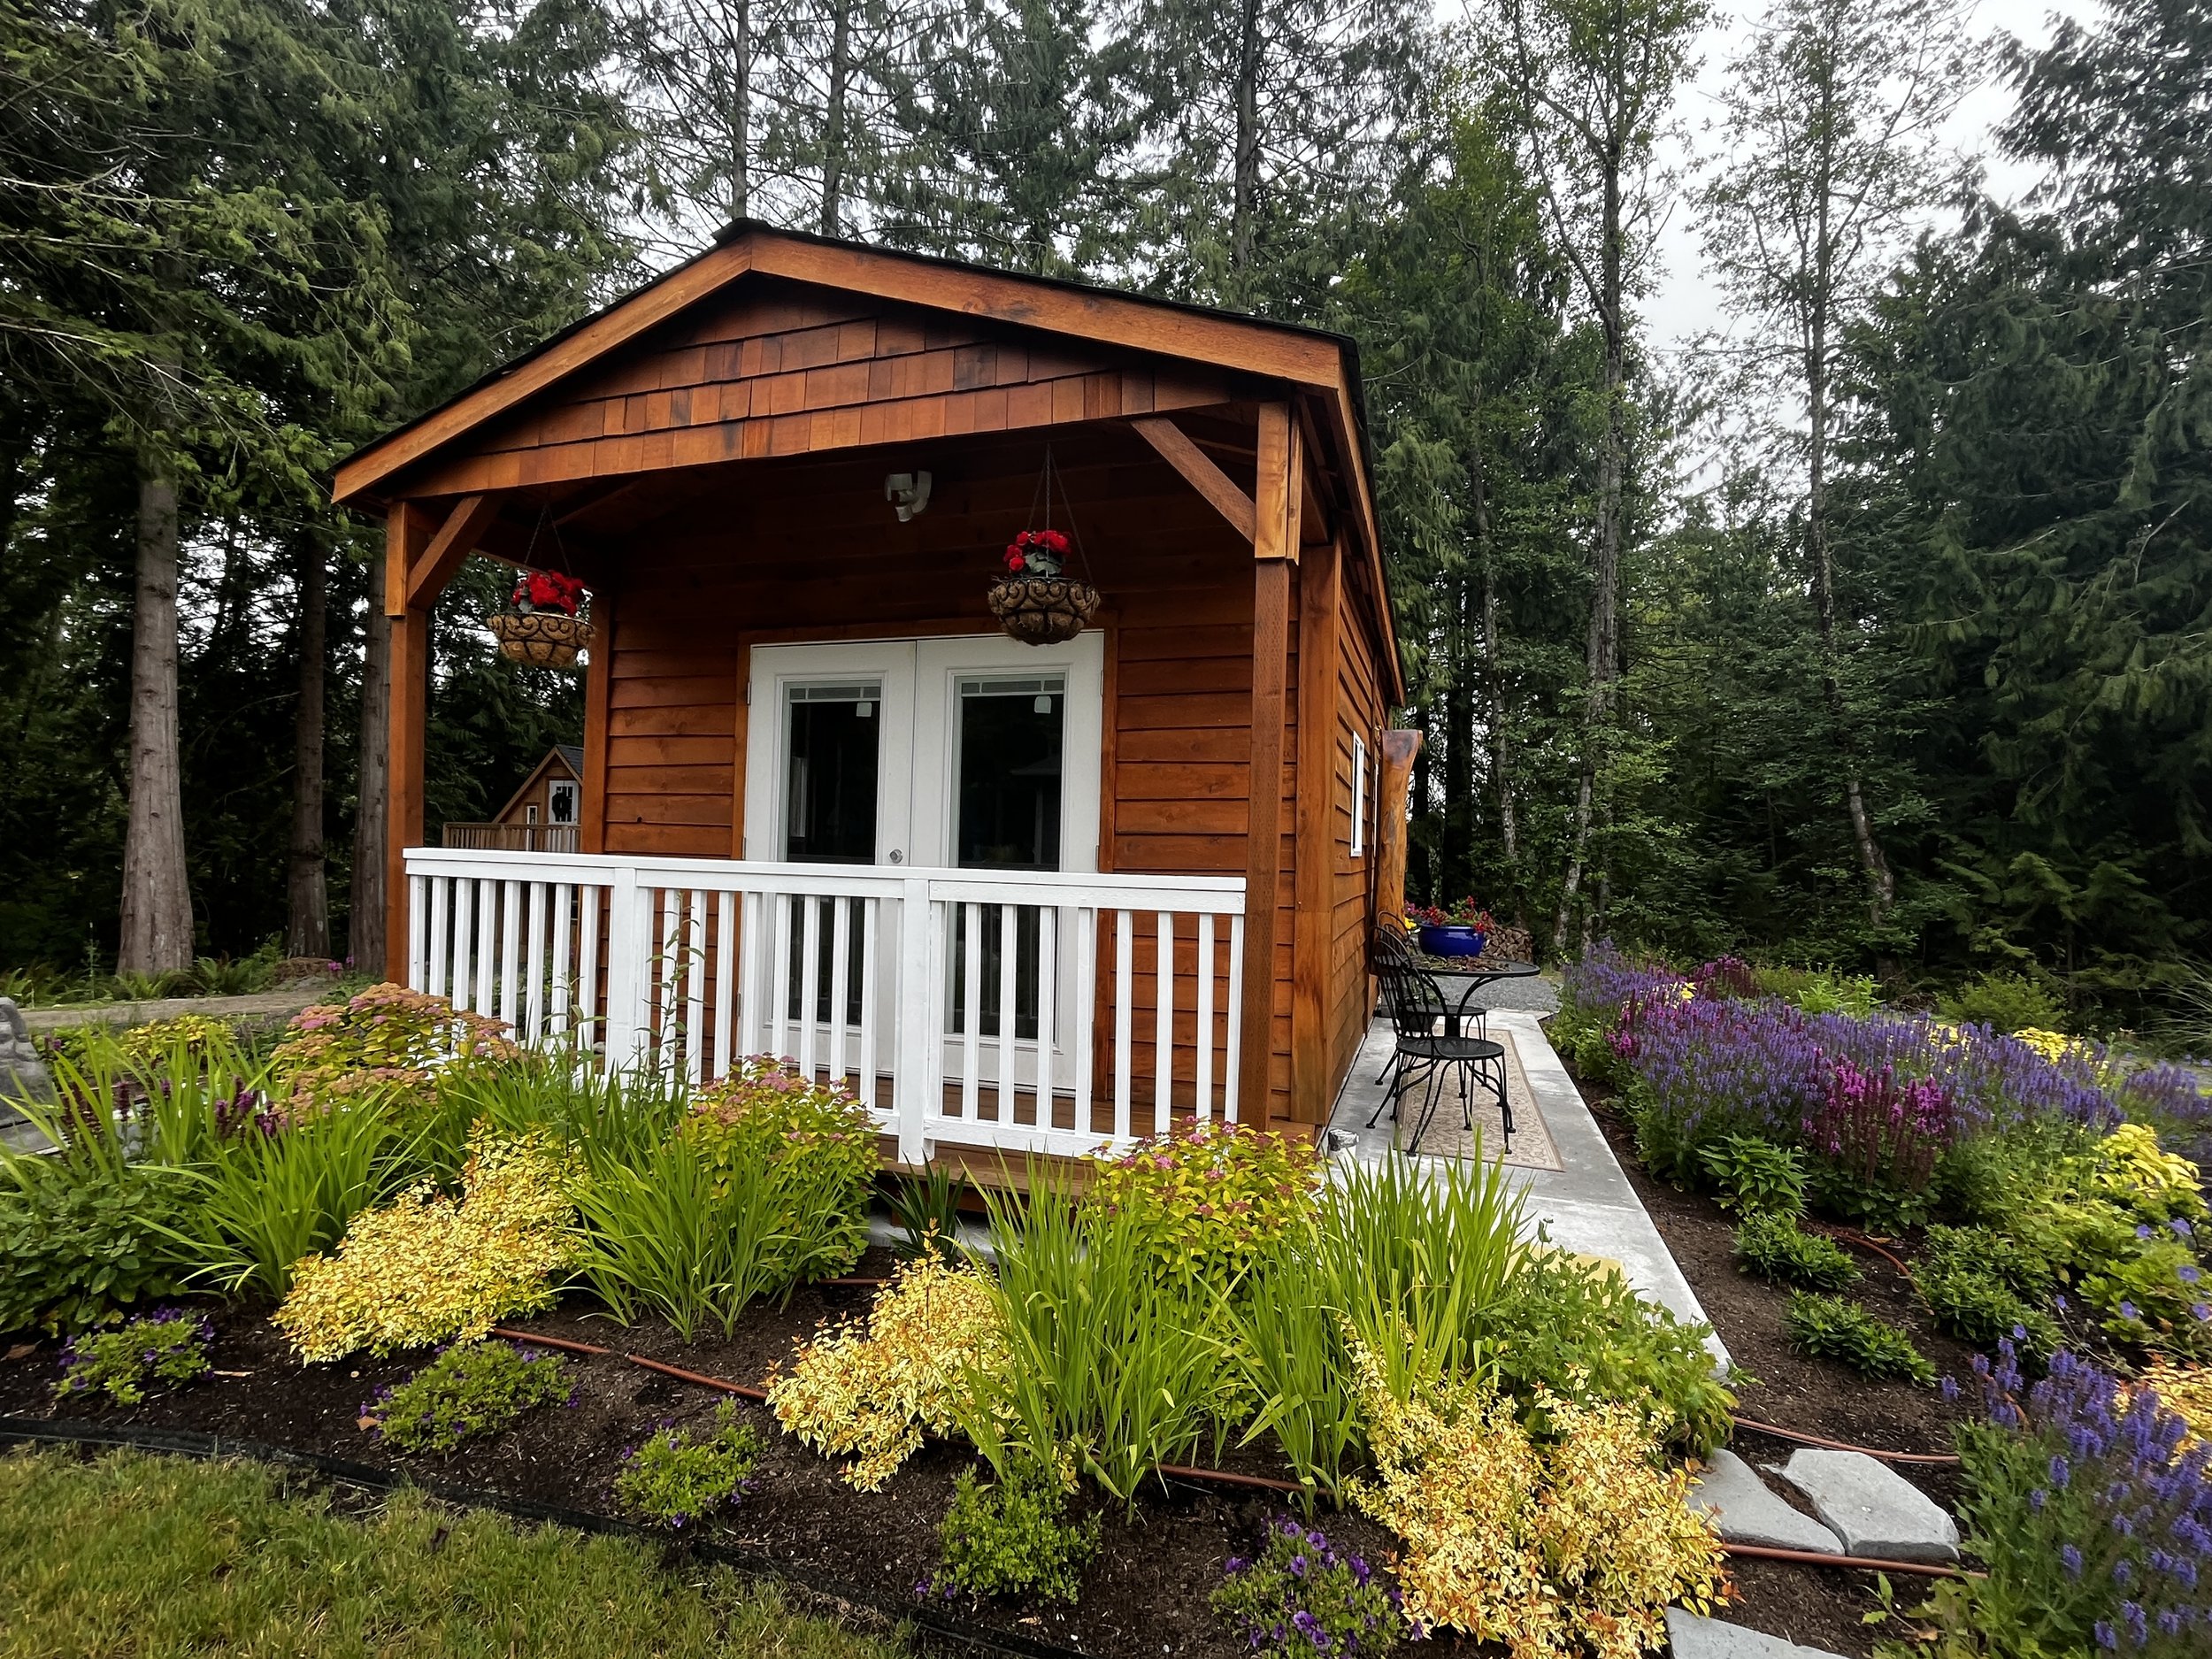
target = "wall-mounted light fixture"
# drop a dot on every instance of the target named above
(907, 492)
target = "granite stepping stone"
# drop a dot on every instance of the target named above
(1875, 1511)
(1693, 1636)
(1746, 1510)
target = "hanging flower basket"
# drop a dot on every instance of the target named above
(1034, 602)
(542, 627)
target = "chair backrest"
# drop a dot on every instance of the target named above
(1416, 1002)
(1390, 945)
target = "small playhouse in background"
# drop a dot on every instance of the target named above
(541, 816)
(987, 685)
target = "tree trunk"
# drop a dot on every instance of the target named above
(741, 110)
(1604, 644)
(1492, 670)
(1246, 163)
(834, 121)
(365, 930)
(1881, 884)
(1454, 874)
(307, 927)
(157, 920)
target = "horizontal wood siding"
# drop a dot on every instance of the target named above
(1361, 711)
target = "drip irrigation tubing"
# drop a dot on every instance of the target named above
(823, 1588)
(1851, 1235)
(1939, 1459)
(1868, 1564)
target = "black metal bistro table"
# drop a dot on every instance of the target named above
(1461, 978)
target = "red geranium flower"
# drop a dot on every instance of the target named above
(1014, 558)
(548, 590)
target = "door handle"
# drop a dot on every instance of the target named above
(897, 857)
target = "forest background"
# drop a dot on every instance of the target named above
(1876, 632)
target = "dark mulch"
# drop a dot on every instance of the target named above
(1145, 1595)
(1820, 1607)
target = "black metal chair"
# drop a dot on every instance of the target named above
(1392, 948)
(1427, 1039)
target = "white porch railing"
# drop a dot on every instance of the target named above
(1016, 1009)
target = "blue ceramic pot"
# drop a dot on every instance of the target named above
(1450, 940)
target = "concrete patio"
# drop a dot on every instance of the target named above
(1588, 1206)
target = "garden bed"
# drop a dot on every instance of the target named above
(1146, 1593)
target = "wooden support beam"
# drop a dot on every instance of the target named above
(1278, 498)
(1274, 550)
(456, 539)
(406, 534)
(591, 829)
(1199, 471)
(1313, 1070)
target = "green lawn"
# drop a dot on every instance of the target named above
(138, 1556)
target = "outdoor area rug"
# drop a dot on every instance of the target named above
(1448, 1137)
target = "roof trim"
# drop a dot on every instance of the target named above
(1172, 328)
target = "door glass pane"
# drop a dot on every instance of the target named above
(1009, 819)
(830, 792)
(1009, 773)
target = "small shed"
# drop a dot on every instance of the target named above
(1040, 897)
(541, 816)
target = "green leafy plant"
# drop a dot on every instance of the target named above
(470, 1390)
(76, 1252)
(817, 1148)
(1756, 1177)
(925, 1209)
(1207, 1198)
(1832, 1327)
(1576, 1330)
(1300, 1596)
(679, 1233)
(1983, 1288)
(1775, 1247)
(220, 976)
(1413, 1265)
(1818, 990)
(2004, 1001)
(680, 1475)
(1013, 1538)
(165, 1346)
(1107, 1360)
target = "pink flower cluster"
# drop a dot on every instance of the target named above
(1882, 1128)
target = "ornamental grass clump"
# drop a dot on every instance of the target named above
(871, 1393)
(167, 1346)
(1574, 1544)
(681, 1476)
(1210, 1198)
(1300, 1598)
(430, 1268)
(470, 1390)
(2091, 1514)
(385, 1044)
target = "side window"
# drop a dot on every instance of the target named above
(1359, 796)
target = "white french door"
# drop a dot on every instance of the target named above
(972, 753)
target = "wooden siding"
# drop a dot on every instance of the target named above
(776, 368)
(1361, 711)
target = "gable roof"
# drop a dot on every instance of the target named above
(1321, 368)
(568, 755)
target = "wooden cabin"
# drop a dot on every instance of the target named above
(541, 815)
(1038, 898)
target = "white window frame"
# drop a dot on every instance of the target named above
(1359, 795)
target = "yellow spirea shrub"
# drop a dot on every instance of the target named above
(429, 1268)
(1553, 1549)
(870, 1393)
(1211, 1196)
(385, 1043)
(2133, 1170)
(157, 1041)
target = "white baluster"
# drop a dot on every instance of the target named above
(510, 953)
(724, 965)
(918, 1076)
(1047, 985)
(1085, 1017)
(1008, 943)
(534, 986)
(561, 995)
(696, 997)
(487, 944)
(870, 956)
(1163, 1025)
(809, 978)
(840, 970)
(1125, 1003)
(1205, 1015)
(970, 1009)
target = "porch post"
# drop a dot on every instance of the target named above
(406, 534)
(1274, 550)
(1313, 1059)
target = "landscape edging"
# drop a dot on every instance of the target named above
(822, 1588)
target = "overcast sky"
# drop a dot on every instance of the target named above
(1683, 305)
